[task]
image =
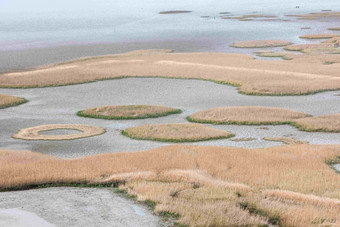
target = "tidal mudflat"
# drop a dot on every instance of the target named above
(48, 106)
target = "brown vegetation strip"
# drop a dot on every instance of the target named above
(334, 29)
(260, 43)
(8, 100)
(325, 123)
(175, 132)
(175, 12)
(301, 47)
(317, 16)
(128, 112)
(33, 133)
(304, 76)
(207, 186)
(286, 140)
(250, 115)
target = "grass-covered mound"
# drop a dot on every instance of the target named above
(324, 123)
(246, 115)
(202, 186)
(128, 112)
(8, 101)
(175, 132)
(260, 43)
(35, 133)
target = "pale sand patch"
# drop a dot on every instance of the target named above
(325, 123)
(286, 140)
(260, 43)
(9, 100)
(176, 132)
(128, 112)
(33, 133)
(303, 76)
(41, 71)
(204, 185)
(20, 218)
(116, 62)
(250, 115)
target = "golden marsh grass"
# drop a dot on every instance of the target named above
(176, 132)
(318, 36)
(249, 115)
(9, 100)
(289, 185)
(260, 43)
(34, 133)
(128, 112)
(256, 77)
(324, 123)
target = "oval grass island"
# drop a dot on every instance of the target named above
(260, 43)
(9, 100)
(176, 132)
(246, 115)
(126, 112)
(324, 123)
(34, 133)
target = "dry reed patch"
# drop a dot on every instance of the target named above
(325, 123)
(318, 36)
(175, 132)
(253, 77)
(303, 47)
(317, 16)
(175, 12)
(270, 54)
(334, 29)
(286, 140)
(8, 101)
(260, 43)
(206, 186)
(246, 115)
(33, 133)
(128, 112)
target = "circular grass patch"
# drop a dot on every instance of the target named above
(176, 132)
(34, 133)
(246, 115)
(128, 112)
(8, 101)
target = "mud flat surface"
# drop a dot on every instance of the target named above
(59, 105)
(72, 207)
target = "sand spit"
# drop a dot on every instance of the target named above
(260, 43)
(326, 123)
(8, 101)
(174, 12)
(248, 115)
(291, 185)
(34, 132)
(318, 36)
(128, 112)
(254, 77)
(176, 132)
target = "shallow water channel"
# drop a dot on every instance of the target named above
(58, 105)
